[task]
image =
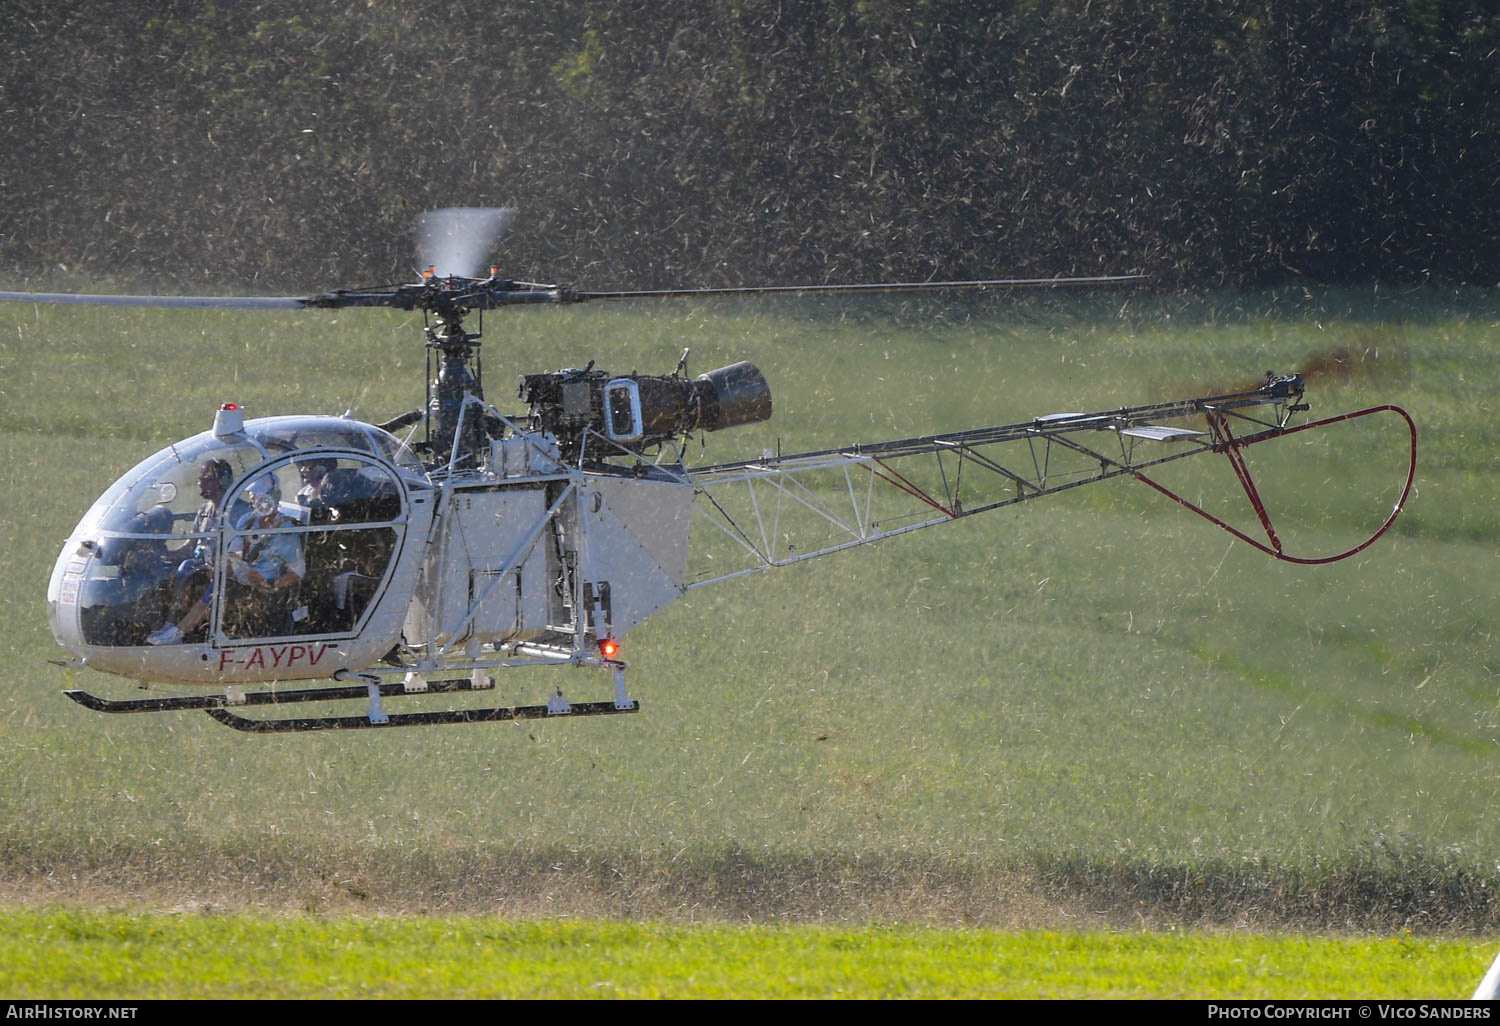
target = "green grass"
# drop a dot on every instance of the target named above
(1095, 695)
(122, 956)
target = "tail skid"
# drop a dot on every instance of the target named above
(1233, 448)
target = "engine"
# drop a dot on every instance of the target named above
(641, 410)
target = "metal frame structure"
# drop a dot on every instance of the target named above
(840, 486)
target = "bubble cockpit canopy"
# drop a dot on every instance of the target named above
(127, 565)
(160, 496)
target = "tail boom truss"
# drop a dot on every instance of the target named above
(762, 507)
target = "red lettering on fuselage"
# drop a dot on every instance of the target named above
(277, 657)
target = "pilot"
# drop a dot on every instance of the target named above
(193, 572)
(260, 562)
(213, 481)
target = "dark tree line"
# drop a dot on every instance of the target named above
(289, 145)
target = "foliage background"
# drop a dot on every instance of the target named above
(288, 145)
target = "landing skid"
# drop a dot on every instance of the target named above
(418, 719)
(371, 689)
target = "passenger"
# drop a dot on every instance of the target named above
(263, 563)
(266, 561)
(142, 556)
(314, 473)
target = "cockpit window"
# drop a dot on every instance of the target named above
(397, 452)
(148, 549)
(288, 434)
(313, 551)
(162, 495)
(159, 517)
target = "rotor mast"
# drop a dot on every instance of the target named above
(458, 375)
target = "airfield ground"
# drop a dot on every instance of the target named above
(1097, 712)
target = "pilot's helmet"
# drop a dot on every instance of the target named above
(264, 495)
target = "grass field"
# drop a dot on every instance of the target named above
(1095, 710)
(101, 955)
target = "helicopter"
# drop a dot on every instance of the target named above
(426, 554)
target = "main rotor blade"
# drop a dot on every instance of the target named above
(460, 292)
(890, 286)
(221, 302)
(458, 241)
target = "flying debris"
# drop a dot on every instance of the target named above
(361, 564)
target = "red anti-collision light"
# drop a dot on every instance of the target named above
(608, 647)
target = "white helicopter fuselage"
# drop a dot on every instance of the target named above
(376, 565)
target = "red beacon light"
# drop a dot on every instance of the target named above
(229, 420)
(608, 647)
